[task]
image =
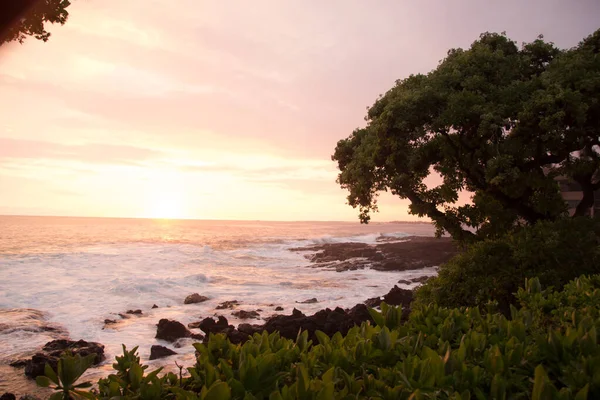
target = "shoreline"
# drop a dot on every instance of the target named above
(412, 253)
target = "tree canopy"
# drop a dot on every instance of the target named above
(22, 18)
(497, 120)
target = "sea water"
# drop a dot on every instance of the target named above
(63, 277)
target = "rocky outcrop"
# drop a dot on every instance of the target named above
(52, 351)
(157, 351)
(242, 314)
(227, 305)
(194, 298)
(328, 321)
(308, 301)
(171, 330)
(413, 252)
(395, 297)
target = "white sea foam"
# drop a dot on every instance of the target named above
(79, 286)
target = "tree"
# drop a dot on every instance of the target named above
(22, 18)
(499, 121)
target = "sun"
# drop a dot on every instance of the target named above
(166, 205)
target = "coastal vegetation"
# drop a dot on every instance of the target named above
(547, 348)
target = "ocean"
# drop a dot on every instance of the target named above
(64, 276)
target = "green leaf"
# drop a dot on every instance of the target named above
(42, 381)
(539, 381)
(583, 393)
(49, 372)
(218, 391)
(322, 337)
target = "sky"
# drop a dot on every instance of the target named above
(223, 109)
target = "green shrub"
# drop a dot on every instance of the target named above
(548, 349)
(555, 252)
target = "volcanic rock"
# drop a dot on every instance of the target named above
(8, 396)
(157, 351)
(52, 351)
(278, 308)
(309, 301)
(242, 314)
(194, 298)
(171, 330)
(227, 305)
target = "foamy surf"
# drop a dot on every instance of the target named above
(78, 286)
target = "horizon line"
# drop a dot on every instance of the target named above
(210, 219)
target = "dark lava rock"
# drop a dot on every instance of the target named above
(154, 306)
(242, 314)
(8, 396)
(194, 325)
(157, 351)
(328, 321)
(309, 301)
(195, 298)
(413, 252)
(134, 312)
(278, 308)
(18, 363)
(227, 305)
(109, 321)
(404, 282)
(171, 330)
(249, 329)
(421, 279)
(208, 325)
(395, 297)
(52, 351)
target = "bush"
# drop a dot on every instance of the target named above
(547, 350)
(555, 252)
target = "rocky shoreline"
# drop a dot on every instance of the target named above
(410, 253)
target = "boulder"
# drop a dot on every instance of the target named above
(52, 351)
(8, 396)
(208, 325)
(242, 314)
(157, 351)
(404, 282)
(278, 308)
(194, 298)
(171, 330)
(309, 301)
(154, 306)
(421, 279)
(134, 312)
(227, 305)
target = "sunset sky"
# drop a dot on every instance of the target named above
(223, 109)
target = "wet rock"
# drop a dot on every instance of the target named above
(8, 396)
(154, 306)
(395, 297)
(18, 363)
(194, 325)
(328, 321)
(309, 301)
(227, 305)
(421, 279)
(171, 330)
(52, 351)
(259, 310)
(194, 298)
(250, 329)
(278, 308)
(411, 253)
(208, 325)
(404, 282)
(242, 314)
(109, 321)
(157, 351)
(134, 312)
